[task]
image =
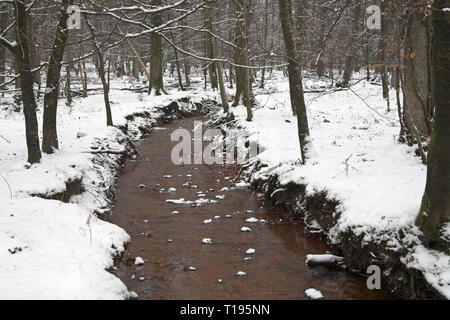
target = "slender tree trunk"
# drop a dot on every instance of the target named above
(382, 65)
(295, 79)
(102, 75)
(187, 66)
(223, 93)
(3, 20)
(50, 135)
(266, 31)
(156, 55)
(351, 58)
(435, 210)
(23, 60)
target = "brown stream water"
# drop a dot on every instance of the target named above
(172, 243)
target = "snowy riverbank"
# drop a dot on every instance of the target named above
(55, 250)
(377, 182)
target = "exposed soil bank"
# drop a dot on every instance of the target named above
(171, 242)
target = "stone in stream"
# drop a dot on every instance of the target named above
(139, 261)
(246, 229)
(207, 241)
(313, 294)
(250, 251)
(241, 273)
(207, 221)
(142, 186)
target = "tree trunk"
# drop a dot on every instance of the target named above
(435, 209)
(223, 93)
(187, 66)
(102, 75)
(295, 79)
(381, 57)
(266, 29)
(416, 78)
(241, 57)
(50, 135)
(23, 60)
(156, 56)
(351, 58)
(3, 20)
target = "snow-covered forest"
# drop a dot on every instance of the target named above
(234, 149)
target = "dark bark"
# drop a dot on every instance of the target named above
(435, 210)
(243, 88)
(351, 58)
(23, 60)
(156, 56)
(3, 20)
(416, 114)
(102, 75)
(215, 44)
(295, 79)
(50, 135)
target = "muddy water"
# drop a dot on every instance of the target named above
(171, 243)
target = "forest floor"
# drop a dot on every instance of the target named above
(46, 244)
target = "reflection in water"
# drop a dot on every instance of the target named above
(172, 243)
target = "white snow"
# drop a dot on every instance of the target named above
(207, 241)
(252, 220)
(313, 294)
(357, 161)
(139, 261)
(55, 250)
(246, 229)
(250, 251)
(324, 259)
(207, 221)
(241, 273)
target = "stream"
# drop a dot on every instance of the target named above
(168, 236)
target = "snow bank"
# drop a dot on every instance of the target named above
(55, 250)
(357, 162)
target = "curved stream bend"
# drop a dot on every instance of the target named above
(179, 266)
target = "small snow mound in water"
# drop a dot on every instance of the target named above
(220, 197)
(192, 268)
(250, 251)
(207, 241)
(313, 294)
(242, 184)
(175, 212)
(167, 176)
(133, 295)
(245, 229)
(329, 260)
(142, 186)
(172, 189)
(241, 273)
(224, 189)
(207, 221)
(138, 261)
(252, 220)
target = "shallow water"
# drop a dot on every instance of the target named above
(275, 271)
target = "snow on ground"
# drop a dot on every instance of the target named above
(55, 250)
(378, 182)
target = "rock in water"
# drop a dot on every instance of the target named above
(313, 294)
(139, 261)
